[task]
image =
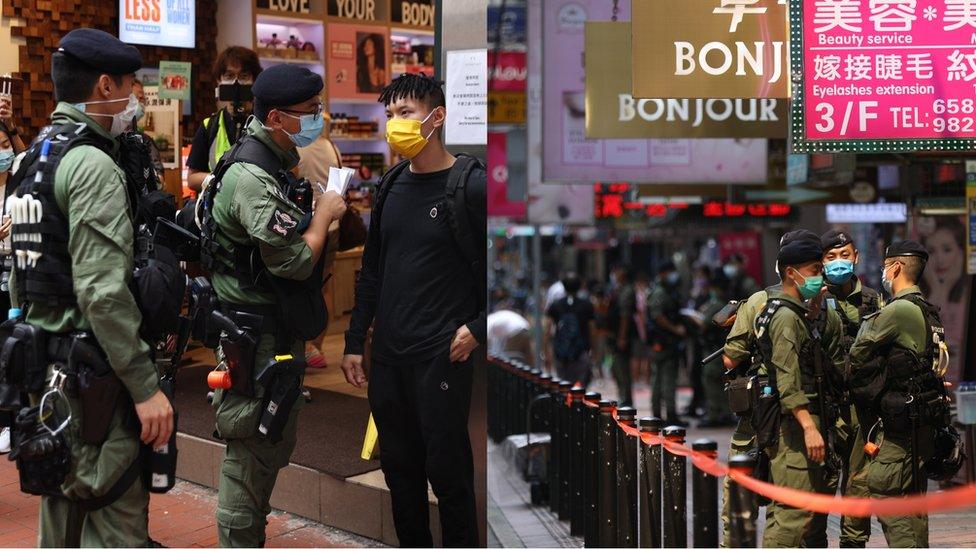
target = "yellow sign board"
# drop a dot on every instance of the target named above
(506, 107)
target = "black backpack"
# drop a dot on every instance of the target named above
(569, 343)
(468, 237)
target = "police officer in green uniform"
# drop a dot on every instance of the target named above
(897, 340)
(852, 301)
(713, 373)
(740, 349)
(261, 247)
(78, 288)
(665, 335)
(797, 356)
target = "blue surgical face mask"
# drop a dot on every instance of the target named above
(6, 159)
(730, 270)
(312, 125)
(839, 271)
(811, 286)
(673, 278)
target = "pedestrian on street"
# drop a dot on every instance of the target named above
(572, 330)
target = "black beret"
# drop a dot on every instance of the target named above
(102, 51)
(799, 234)
(907, 247)
(284, 85)
(798, 252)
(835, 239)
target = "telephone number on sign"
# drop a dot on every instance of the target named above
(954, 125)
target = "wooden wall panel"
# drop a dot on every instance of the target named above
(46, 21)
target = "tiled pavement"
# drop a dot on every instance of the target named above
(182, 518)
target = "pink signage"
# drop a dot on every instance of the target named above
(498, 203)
(889, 69)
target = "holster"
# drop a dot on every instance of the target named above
(282, 382)
(240, 352)
(99, 389)
(761, 471)
(23, 362)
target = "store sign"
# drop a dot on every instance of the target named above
(506, 71)
(751, 210)
(613, 113)
(466, 91)
(710, 48)
(363, 10)
(971, 217)
(158, 22)
(416, 13)
(506, 107)
(568, 156)
(884, 75)
(174, 80)
(506, 27)
(285, 6)
(891, 212)
(614, 201)
(499, 201)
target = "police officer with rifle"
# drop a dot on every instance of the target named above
(898, 364)
(263, 246)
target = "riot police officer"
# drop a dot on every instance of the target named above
(852, 301)
(265, 257)
(740, 349)
(665, 333)
(787, 413)
(75, 291)
(904, 341)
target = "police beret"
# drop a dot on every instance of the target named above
(799, 251)
(284, 85)
(799, 234)
(907, 247)
(102, 51)
(835, 239)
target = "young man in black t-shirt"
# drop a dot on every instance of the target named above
(421, 295)
(572, 328)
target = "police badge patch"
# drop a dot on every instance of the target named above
(282, 223)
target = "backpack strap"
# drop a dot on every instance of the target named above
(386, 182)
(460, 221)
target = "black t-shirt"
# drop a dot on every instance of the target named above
(428, 289)
(199, 157)
(581, 307)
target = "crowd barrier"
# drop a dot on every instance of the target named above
(621, 481)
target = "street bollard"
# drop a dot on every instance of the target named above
(565, 450)
(626, 480)
(521, 399)
(607, 499)
(675, 521)
(577, 468)
(507, 416)
(649, 494)
(742, 525)
(704, 499)
(591, 466)
(545, 388)
(555, 442)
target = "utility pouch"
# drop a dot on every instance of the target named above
(23, 358)
(240, 351)
(43, 460)
(742, 392)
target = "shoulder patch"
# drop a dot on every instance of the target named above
(282, 223)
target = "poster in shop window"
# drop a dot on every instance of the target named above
(883, 75)
(568, 156)
(162, 124)
(944, 282)
(358, 61)
(466, 92)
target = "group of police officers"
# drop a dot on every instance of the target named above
(837, 385)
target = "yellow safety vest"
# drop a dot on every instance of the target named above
(221, 142)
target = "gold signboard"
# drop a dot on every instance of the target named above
(506, 107)
(613, 113)
(710, 48)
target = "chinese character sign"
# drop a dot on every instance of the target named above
(901, 71)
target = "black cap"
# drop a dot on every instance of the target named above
(799, 234)
(907, 247)
(835, 239)
(799, 252)
(102, 51)
(284, 85)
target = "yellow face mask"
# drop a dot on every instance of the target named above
(403, 134)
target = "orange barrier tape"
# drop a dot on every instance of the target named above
(918, 504)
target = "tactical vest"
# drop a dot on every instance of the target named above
(40, 245)
(299, 303)
(764, 344)
(916, 383)
(867, 306)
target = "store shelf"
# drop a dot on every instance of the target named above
(291, 60)
(297, 18)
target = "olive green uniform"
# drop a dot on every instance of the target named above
(243, 209)
(621, 355)
(900, 324)
(793, 345)
(662, 302)
(854, 531)
(90, 190)
(713, 373)
(740, 345)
